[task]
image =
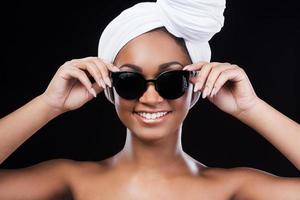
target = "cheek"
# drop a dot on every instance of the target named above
(182, 105)
(124, 108)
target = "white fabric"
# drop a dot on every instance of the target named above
(196, 21)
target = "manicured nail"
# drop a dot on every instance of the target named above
(102, 83)
(196, 88)
(187, 67)
(116, 68)
(99, 82)
(212, 92)
(93, 92)
(107, 81)
(204, 94)
(215, 92)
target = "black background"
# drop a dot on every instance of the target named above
(260, 36)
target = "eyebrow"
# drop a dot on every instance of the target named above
(161, 66)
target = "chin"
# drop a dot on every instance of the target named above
(153, 131)
(150, 134)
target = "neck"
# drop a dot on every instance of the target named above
(157, 155)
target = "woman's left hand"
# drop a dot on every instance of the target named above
(225, 85)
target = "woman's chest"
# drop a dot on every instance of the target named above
(148, 190)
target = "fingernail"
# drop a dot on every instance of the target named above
(204, 94)
(116, 68)
(195, 88)
(107, 80)
(215, 92)
(212, 92)
(99, 83)
(186, 67)
(93, 92)
(102, 84)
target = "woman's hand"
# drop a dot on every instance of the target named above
(70, 88)
(225, 85)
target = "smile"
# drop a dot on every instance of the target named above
(152, 116)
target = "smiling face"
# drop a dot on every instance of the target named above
(151, 117)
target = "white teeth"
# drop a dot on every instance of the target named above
(151, 115)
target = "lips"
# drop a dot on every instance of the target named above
(152, 118)
(153, 115)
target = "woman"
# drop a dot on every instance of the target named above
(152, 163)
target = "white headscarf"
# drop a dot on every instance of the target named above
(196, 21)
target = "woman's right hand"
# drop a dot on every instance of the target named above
(70, 88)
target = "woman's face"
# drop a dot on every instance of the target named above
(148, 52)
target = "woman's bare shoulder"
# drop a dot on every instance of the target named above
(76, 166)
(69, 168)
(237, 174)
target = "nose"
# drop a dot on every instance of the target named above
(151, 96)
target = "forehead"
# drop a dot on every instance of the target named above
(151, 50)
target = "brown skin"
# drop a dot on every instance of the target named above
(152, 164)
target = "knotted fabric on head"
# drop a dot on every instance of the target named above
(196, 21)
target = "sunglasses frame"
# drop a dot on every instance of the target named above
(187, 74)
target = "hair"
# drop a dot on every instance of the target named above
(178, 40)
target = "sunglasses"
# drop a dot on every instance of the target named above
(169, 84)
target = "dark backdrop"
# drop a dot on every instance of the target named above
(259, 36)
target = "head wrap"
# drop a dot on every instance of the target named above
(196, 21)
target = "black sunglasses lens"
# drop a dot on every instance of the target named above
(172, 84)
(129, 85)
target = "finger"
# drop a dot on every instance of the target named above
(203, 74)
(110, 66)
(86, 64)
(82, 77)
(95, 72)
(212, 77)
(103, 68)
(195, 66)
(97, 88)
(227, 75)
